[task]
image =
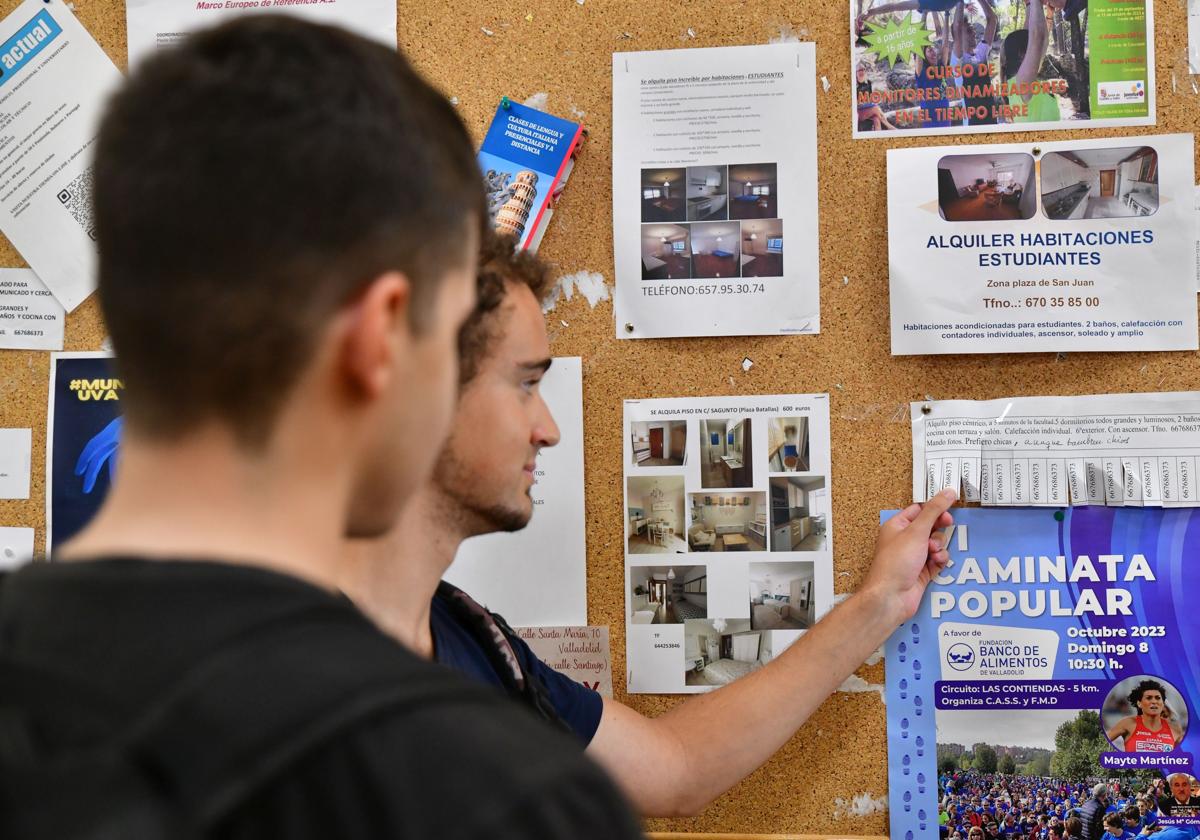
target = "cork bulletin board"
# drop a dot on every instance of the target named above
(830, 779)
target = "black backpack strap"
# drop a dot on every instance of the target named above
(499, 642)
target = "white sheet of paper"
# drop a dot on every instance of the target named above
(30, 317)
(16, 547)
(538, 576)
(728, 534)
(1139, 450)
(1193, 28)
(714, 161)
(16, 449)
(55, 83)
(154, 24)
(581, 653)
(993, 249)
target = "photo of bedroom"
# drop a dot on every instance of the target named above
(718, 651)
(716, 250)
(667, 594)
(654, 521)
(781, 596)
(663, 194)
(986, 188)
(707, 193)
(659, 444)
(787, 444)
(1100, 183)
(799, 511)
(726, 453)
(666, 252)
(754, 191)
(728, 522)
(762, 248)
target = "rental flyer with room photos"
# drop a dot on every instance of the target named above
(728, 535)
(715, 192)
(1055, 653)
(923, 67)
(1080, 245)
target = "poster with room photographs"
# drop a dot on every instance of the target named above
(728, 535)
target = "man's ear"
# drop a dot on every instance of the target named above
(376, 333)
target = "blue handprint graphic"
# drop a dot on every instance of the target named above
(100, 450)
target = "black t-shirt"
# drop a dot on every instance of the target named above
(125, 630)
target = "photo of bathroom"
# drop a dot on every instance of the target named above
(799, 512)
(787, 444)
(1100, 183)
(707, 193)
(667, 594)
(726, 453)
(727, 522)
(659, 444)
(655, 518)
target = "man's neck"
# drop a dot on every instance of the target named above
(393, 579)
(206, 499)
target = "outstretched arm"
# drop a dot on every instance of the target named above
(667, 770)
(1123, 728)
(1035, 23)
(958, 31)
(991, 22)
(888, 8)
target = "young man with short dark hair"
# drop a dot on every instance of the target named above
(288, 219)
(481, 484)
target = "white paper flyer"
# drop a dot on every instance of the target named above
(582, 653)
(30, 317)
(16, 460)
(1082, 245)
(538, 576)
(1121, 450)
(714, 171)
(728, 535)
(154, 24)
(53, 87)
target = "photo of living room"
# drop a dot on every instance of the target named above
(716, 251)
(986, 188)
(799, 511)
(762, 248)
(728, 522)
(781, 596)
(787, 444)
(666, 252)
(654, 522)
(667, 594)
(663, 195)
(754, 191)
(1100, 183)
(707, 193)
(720, 650)
(726, 453)
(659, 444)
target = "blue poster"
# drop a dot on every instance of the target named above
(82, 429)
(1056, 653)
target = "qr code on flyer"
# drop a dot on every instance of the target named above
(76, 197)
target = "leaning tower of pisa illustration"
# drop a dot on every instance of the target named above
(511, 218)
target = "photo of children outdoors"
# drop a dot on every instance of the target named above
(953, 66)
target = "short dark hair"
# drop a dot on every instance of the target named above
(500, 264)
(250, 182)
(1135, 696)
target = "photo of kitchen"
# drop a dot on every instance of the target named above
(655, 518)
(799, 511)
(787, 444)
(986, 188)
(728, 522)
(762, 248)
(1100, 183)
(663, 195)
(781, 596)
(726, 453)
(666, 252)
(707, 193)
(667, 594)
(716, 249)
(718, 651)
(753, 191)
(659, 444)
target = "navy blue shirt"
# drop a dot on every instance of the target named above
(453, 645)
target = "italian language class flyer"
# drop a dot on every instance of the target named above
(1055, 653)
(958, 66)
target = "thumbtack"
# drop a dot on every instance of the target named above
(505, 103)
(1037, 150)
(628, 327)
(926, 409)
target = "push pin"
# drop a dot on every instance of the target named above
(927, 409)
(628, 327)
(505, 103)
(1037, 150)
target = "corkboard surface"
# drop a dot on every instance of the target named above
(562, 48)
